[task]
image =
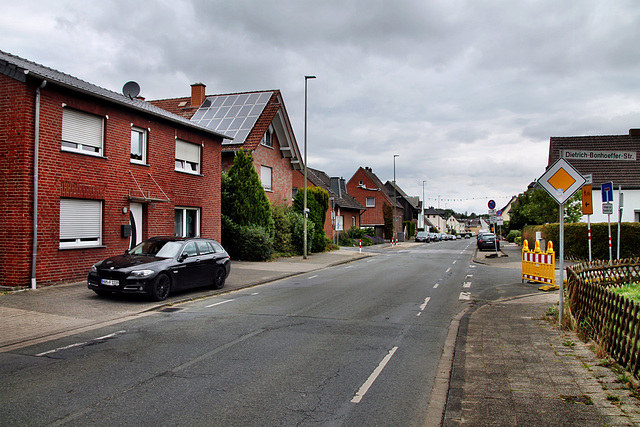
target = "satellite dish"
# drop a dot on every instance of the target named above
(131, 89)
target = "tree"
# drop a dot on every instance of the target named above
(538, 207)
(243, 198)
(387, 214)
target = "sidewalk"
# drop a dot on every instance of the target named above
(32, 316)
(514, 368)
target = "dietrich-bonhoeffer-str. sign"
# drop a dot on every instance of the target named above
(598, 155)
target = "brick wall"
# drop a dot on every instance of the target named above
(280, 171)
(111, 178)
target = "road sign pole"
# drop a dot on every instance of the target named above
(561, 264)
(620, 203)
(609, 223)
(589, 234)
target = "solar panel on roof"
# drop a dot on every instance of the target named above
(233, 115)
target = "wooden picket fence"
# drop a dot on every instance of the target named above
(610, 319)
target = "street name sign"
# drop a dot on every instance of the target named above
(561, 181)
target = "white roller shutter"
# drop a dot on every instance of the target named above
(82, 128)
(80, 222)
(187, 151)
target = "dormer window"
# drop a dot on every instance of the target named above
(267, 138)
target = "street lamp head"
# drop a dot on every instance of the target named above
(309, 77)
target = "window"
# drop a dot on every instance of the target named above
(204, 247)
(187, 222)
(138, 145)
(265, 177)
(267, 138)
(187, 157)
(371, 202)
(353, 221)
(82, 132)
(80, 223)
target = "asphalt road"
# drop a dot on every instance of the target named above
(356, 344)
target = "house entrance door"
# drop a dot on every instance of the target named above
(135, 220)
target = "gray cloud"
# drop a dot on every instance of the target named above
(466, 92)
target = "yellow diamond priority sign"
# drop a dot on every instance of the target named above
(561, 181)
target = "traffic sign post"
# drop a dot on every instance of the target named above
(607, 209)
(587, 209)
(561, 181)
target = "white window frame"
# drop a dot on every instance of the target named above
(353, 221)
(143, 135)
(370, 202)
(80, 223)
(188, 157)
(82, 132)
(182, 211)
(267, 138)
(266, 177)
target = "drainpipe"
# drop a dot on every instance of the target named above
(36, 143)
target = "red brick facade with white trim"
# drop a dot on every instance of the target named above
(109, 178)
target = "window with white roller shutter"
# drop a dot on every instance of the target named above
(80, 223)
(82, 132)
(187, 157)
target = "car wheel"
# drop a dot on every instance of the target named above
(161, 287)
(220, 277)
(102, 293)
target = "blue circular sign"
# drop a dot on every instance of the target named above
(492, 204)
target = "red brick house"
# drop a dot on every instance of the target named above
(94, 172)
(369, 191)
(344, 210)
(257, 122)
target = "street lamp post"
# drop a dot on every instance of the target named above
(305, 209)
(395, 199)
(424, 223)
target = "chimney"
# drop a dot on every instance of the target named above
(197, 94)
(634, 132)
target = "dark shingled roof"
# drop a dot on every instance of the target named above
(322, 180)
(623, 173)
(19, 68)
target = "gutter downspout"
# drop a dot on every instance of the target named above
(36, 143)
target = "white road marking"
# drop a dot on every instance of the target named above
(219, 303)
(348, 266)
(374, 375)
(465, 295)
(424, 305)
(436, 286)
(454, 261)
(448, 270)
(312, 277)
(78, 344)
(466, 285)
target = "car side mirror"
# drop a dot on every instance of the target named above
(183, 256)
(126, 251)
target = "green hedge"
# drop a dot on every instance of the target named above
(576, 243)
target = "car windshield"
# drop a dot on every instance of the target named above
(422, 233)
(488, 236)
(157, 248)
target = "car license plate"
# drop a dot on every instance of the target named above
(109, 282)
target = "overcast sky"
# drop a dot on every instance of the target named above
(466, 92)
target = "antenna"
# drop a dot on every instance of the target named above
(131, 89)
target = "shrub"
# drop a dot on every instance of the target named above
(246, 242)
(282, 238)
(513, 234)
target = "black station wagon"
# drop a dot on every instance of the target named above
(161, 265)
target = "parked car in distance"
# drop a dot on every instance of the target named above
(434, 237)
(161, 265)
(422, 236)
(488, 241)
